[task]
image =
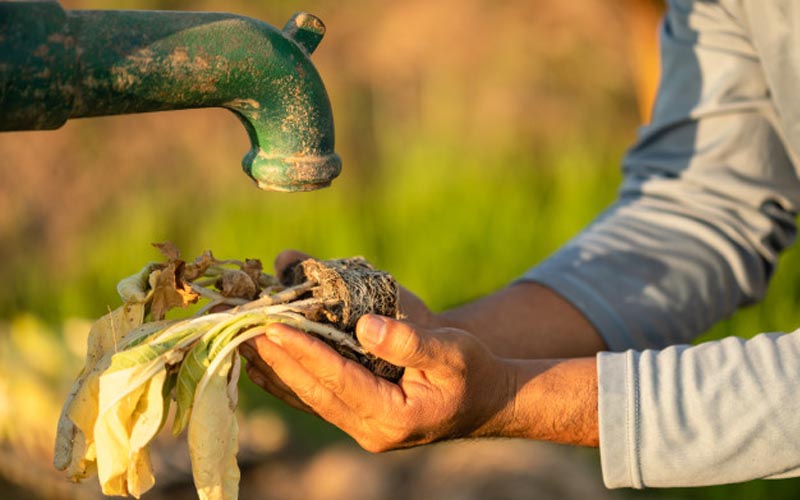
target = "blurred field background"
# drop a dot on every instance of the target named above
(477, 136)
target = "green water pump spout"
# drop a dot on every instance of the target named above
(57, 64)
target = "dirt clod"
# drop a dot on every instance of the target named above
(350, 288)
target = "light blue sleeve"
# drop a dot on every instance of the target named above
(719, 412)
(709, 200)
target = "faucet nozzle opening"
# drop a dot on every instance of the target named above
(292, 174)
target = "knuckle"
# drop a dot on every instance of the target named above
(407, 340)
(330, 375)
(459, 365)
(332, 382)
(463, 351)
(309, 395)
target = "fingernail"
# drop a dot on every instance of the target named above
(272, 336)
(371, 330)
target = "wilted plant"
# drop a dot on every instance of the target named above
(138, 363)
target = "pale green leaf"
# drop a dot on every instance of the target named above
(134, 366)
(197, 360)
(192, 370)
(135, 288)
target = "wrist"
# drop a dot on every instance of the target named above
(500, 401)
(549, 400)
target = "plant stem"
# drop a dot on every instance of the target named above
(288, 294)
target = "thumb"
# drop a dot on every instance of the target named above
(397, 342)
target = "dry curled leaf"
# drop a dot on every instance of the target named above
(199, 266)
(236, 283)
(253, 268)
(168, 250)
(170, 290)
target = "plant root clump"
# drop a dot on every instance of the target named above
(347, 289)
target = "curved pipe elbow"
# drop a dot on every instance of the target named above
(287, 113)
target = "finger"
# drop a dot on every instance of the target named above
(350, 382)
(273, 385)
(263, 376)
(287, 258)
(304, 384)
(399, 342)
(253, 360)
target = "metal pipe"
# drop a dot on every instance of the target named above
(56, 65)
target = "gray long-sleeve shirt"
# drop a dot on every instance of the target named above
(709, 200)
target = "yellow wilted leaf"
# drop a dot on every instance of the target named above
(130, 405)
(213, 434)
(74, 449)
(75, 439)
(112, 438)
(107, 332)
(140, 473)
(146, 420)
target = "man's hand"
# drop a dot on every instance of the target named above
(452, 387)
(411, 307)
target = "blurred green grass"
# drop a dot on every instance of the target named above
(449, 226)
(451, 215)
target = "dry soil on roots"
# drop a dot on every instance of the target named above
(348, 289)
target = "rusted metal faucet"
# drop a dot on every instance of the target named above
(57, 64)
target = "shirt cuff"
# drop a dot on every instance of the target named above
(618, 416)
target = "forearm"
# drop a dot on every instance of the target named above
(527, 321)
